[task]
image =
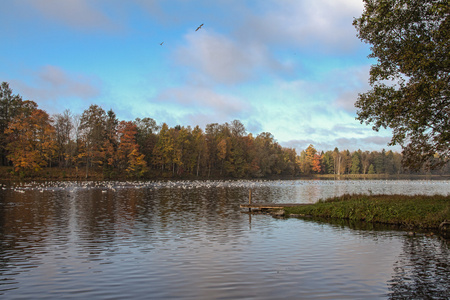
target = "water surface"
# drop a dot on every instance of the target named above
(190, 240)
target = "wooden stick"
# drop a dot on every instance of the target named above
(249, 199)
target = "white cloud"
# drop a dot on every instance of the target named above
(371, 143)
(322, 24)
(222, 59)
(78, 14)
(203, 99)
(52, 86)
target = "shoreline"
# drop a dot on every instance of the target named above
(73, 174)
(407, 212)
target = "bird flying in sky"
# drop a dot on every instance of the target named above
(162, 43)
(199, 27)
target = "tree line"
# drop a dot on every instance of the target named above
(96, 140)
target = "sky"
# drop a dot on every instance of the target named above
(293, 68)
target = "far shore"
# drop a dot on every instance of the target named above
(61, 174)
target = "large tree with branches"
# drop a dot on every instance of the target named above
(410, 82)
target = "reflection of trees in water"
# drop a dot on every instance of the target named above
(422, 271)
(423, 268)
(25, 221)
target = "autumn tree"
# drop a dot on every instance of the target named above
(304, 163)
(252, 154)
(93, 135)
(236, 164)
(31, 141)
(146, 137)
(316, 165)
(213, 138)
(11, 106)
(289, 158)
(222, 151)
(181, 137)
(314, 159)
(411, 44)
(63, 127)
(129, 158)
(137, 166)
(200, 149)
(163, 152)
(263, 161)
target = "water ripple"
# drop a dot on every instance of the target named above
(189, 240)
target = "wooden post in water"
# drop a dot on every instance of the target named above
(249, 199)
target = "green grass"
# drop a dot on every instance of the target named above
(409, 211)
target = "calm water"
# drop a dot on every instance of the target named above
(190, 240)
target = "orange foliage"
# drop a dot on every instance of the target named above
(31, 142)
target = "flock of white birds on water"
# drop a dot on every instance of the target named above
(112, 186)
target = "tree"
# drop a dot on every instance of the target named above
(146, 137)
(379, 161)
(317, 163)
(63, 127)
(137, 166)
(182, 143)
(371, 169)
(163, 152)
(237, 128)
(411, 41)
(365, 161)
(126, 133)
(31, 141)
(237, 160)
(93, 131)
(11, 106)
(328, 162)
(313, 159)
(199, 148)
(337, 161)
(212, 136)
(264, 148)
(110, 144)
(128, 156)
(356, 167)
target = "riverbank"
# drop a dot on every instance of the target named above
(412, 212)
(79, 174)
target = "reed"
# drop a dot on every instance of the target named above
(424, 212)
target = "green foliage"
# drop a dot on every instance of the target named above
(356, 168)
(409, 211)
(371, 169)
(410, 82)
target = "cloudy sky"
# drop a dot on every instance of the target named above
(293, 68)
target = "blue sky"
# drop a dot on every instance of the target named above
(293, 68)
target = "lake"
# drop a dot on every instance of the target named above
(190, 240)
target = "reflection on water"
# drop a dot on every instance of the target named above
(190, 240)
(422, 270)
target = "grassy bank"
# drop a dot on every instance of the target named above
(421, 212)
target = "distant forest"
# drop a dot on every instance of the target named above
(97, 141)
